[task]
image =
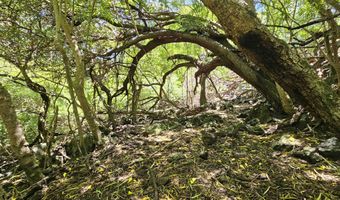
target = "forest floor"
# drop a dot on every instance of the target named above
(195, 156)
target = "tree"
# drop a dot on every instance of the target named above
(277, 60)
(230, 59)
(17, 138)
(80, 73)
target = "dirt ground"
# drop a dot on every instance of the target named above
(172, 159)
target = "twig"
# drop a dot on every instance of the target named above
(307, 24)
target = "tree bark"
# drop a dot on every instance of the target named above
(203, 96)
(80, 72)
(287, 104)
(276, 59)
(17, 138)
(136, 90)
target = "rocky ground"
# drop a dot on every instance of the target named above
(230, 152)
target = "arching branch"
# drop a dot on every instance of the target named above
(166, 74)
(210, 66)
(231, 60)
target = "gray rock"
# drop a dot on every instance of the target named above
(308, 154)
(330, 148)
(287, 143)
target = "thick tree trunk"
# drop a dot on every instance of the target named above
(17, 138)
(136, 90)
(203, 96)
(277, 60)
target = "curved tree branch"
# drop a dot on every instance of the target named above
(231, 60)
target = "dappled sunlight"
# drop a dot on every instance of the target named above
(169, 99)
(323, 176)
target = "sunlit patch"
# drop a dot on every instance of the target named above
(322, 176)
